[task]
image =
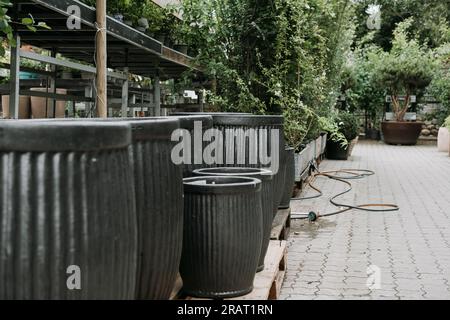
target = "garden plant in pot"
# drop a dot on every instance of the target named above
(340, 147)
(405, 71)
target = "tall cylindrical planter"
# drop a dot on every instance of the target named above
(267, 194)
(67, 211)
(443, 140)
(222, 236)
(244, 139)
(158, 188)
(289, 179)
(159, 202)
(192, 140)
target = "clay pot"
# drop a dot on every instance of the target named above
(42, 108)
(24, 107)
(403, 133)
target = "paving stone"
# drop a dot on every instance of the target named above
(411, 247)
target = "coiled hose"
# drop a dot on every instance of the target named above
(337, 175)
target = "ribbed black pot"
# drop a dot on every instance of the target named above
(67, 201)
(266, 177)
(289, 179)
(188, 122)
(263, 127)
(159, 202)
(222, 236)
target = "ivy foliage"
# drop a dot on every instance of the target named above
(273, 56)
(6, 26)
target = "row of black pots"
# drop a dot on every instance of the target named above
(228, 223)
(103, 196)
(239, 125)
(227, 219)
(89, 198)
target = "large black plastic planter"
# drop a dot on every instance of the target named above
(239, 126)
(267, 194)
(67, 209)
(222, 236)
(188, 122)
(159, 202)
(289, 179)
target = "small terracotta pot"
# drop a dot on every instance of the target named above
(401, 133)
(38, 105)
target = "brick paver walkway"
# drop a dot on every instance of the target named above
(330, 258)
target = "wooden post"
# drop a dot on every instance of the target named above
(101, 80)
(14, 94)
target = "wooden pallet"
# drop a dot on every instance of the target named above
(281, 225)
(268, 283)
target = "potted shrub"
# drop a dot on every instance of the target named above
(340, 145)
(297, 125)
(405, 71)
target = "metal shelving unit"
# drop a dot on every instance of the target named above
(129, 52)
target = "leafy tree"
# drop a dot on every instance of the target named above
(440, 86)
(407, 69)
(430, 20)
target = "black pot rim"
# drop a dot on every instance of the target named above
(207, 294)
(403, 122)
(149, 128)
(261, 174)
(240, 119)
(153, 128)
(58, 136)
(248, 120)
(228, 185)
(188, 121)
